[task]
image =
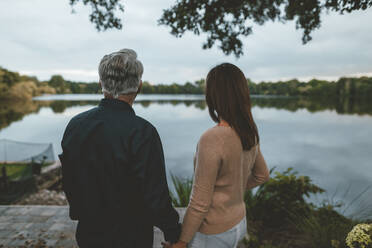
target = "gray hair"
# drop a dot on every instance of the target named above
(120, 73)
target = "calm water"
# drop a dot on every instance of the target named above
(331, 143)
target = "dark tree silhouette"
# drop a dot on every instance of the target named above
(226, 21)
(103, 13)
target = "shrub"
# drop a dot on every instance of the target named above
(272, 210)
(324, 228)
(22, 91)
(360, 236)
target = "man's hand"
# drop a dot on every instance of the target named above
(179, 244)
(166, 244)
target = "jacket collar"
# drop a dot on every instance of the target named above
(116, 104)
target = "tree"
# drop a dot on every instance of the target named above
(226, 21)
(57, 82)
(103, 13)
(9, 78)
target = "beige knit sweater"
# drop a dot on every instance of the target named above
(223, 172)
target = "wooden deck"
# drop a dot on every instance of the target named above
(44, 226)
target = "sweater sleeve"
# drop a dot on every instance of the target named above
(207, 163)
(260, 172)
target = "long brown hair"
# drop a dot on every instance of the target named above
(227, 96)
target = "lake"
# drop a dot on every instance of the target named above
(327, 141)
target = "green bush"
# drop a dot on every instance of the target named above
(279, 215)
(284, 194)
(324, 228)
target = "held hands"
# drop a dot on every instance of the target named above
(179, 244)
(166, 244)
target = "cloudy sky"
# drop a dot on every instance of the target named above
(42, 38)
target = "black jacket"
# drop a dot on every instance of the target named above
(114, 178)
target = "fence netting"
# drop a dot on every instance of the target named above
(19, 161)
(14, 151)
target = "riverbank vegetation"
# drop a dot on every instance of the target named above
(16, 86)
(18, 170)
(280, 215)
(14, 170)
(31, 188)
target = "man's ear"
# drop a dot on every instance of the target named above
(139, 87)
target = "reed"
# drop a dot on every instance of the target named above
(182, 188)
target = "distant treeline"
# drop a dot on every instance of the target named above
(188, 88)
(343, 88)
(16, 86)
(68, 87)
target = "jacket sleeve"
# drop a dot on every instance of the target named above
(260, 172)
(149, 171)
(67, 185)
(67, 171)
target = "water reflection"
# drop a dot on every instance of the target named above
(320, 145)
(287, 103)
(350, 106)
(14, 111)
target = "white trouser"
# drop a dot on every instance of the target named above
(228, 239)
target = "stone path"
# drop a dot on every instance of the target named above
(51, 167)
(44, 226)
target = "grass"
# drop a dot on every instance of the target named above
(20, 181)
(18, 170)
(183, 187)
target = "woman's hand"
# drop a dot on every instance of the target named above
(179, 244)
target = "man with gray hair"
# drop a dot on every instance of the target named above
(113, 170)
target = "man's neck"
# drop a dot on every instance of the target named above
(124, 98)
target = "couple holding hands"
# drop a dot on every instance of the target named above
(113, 169)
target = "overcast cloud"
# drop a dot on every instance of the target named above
(42, 38)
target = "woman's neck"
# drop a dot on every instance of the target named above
(223, 123)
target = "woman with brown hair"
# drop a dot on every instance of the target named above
(228, 162)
